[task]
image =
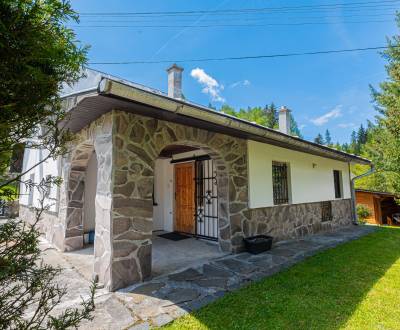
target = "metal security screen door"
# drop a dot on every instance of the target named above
(206, 198)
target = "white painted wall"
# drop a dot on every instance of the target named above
(308, 183)
(49, 167)
(89, 210)
(163, 195)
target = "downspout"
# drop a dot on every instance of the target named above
(353, 192)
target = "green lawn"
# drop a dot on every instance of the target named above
(354, 286)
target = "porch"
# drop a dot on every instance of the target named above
(168, 256)
(160, 176)
(171, 256)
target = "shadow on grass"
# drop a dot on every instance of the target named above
(321, 293)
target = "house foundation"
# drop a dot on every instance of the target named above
(298, 220)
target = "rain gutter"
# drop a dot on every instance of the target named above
(353, 192)
(108, 87)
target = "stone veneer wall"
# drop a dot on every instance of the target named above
(97, 137)
(138, 142)
(49, 225)
(65, 229)
(296, 220)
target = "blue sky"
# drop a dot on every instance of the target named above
(323, 91)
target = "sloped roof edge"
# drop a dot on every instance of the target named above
(378, 192)
(119, 89)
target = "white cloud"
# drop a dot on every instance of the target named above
(210, 85)
(240, 83)
(334, 113)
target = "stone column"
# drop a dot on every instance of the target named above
(103, 230)
(132, 204)
(238, 197)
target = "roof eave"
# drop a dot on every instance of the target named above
(117, 89)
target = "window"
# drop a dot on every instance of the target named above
(326, 211)
(280, 183)
(31, 188)
(337, 177)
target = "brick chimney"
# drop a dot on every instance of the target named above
(175, 81)
(284, 120)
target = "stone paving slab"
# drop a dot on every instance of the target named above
(161, 300)
(188, 290)
(110, 313)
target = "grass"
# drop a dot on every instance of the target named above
(354, 286)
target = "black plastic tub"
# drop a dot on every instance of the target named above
(258, 244)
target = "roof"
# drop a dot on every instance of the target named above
(98, 93)
(388, 194)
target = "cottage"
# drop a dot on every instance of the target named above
(143, 161)
(383, 207)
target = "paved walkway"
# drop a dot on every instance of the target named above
(165, 298)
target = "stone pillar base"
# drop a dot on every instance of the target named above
(73, 243)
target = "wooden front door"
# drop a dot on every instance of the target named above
(184, 197)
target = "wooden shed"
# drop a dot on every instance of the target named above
(381, 204)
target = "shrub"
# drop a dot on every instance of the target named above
(363, 212)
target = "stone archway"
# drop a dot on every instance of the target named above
(138, 141)
(96, 138)
(220, 170)
(75, 186)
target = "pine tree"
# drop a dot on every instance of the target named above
(319, 139)
(346, 147)
(359, 139)
(267, 116)
(328, 139)
(370, 126)
(385, 137)
(294, 128)
(271, 113)
(361, 135)
(354, 146)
